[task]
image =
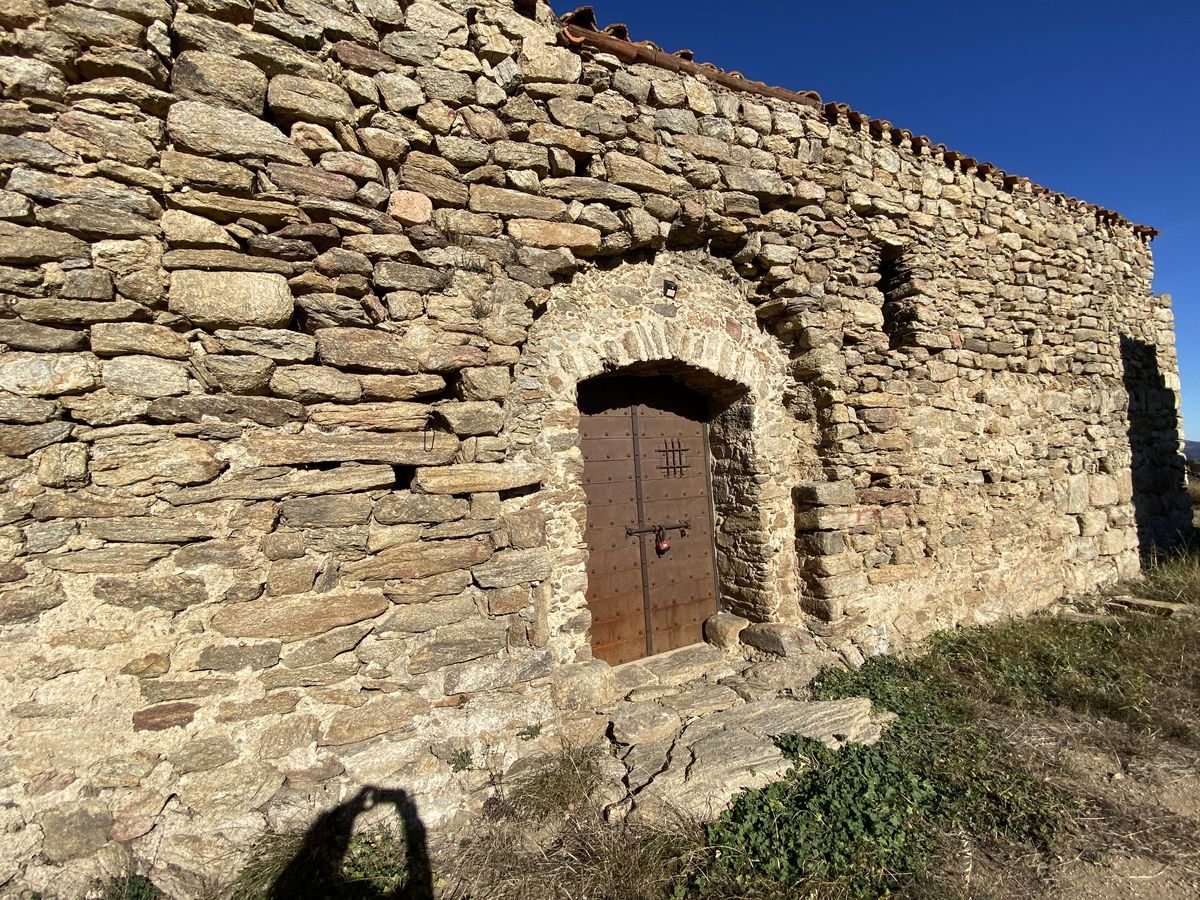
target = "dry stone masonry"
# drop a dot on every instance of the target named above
(296, 299)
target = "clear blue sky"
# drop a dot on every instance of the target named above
(1099, 99)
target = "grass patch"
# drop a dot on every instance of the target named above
(864, 822)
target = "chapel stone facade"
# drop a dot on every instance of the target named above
(298, 300)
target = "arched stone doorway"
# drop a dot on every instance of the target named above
(707, 340)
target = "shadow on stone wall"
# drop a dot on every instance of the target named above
(1162, 510)
(315, 873)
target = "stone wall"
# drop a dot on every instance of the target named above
(296, 297)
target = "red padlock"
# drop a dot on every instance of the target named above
(661, 544)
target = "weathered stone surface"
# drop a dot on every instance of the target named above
(410, 207)
(471, 417)
(171, 594)
(28, 336)
(580, 239)
(229, 134)
(276, 344)
(237, 374)
(371, 416)
(512, 567)
(28, 246)
(722, 630)
(458, 643)
(47, 375)
(472, 477)
(417, 618)
(144, 376)
(402, 449)
(117, 338)
(643, 723)
(314, 384)
(180, 461)
(780, 640)
(326, 512)
(164, 716)
(234, 657)
(406, 562)
(222, 79)
(362, 348)
(224, 299)
(501, 201)
(543, 62)
(291, 98)
(264, 410)
(273, 484)
(381, 715)
(73, 830)
(294, 618)
(25, 604)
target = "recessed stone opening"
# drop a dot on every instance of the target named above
(707, 341)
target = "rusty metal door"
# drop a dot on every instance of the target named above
(647, 478)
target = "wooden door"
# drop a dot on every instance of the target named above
(646, 466)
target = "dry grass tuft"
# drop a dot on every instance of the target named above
(546, 839)
(1175, 579)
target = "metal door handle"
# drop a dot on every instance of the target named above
(681, 527)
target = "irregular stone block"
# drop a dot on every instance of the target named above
(22, 440)
(406, 562)
(512, 567)
(780, 640)
(363, 348)
(145, 376)
(117, 338)
(47, 375)
(76, 829)
(371, 416)
(579, 239)
(459, 643)
(25, 604)
(263, 410)
(293, 98)
(118, 559)
(235, 657)
(295, 618)
(222, 299)
(164, 716)
(393, 712)
(543, 62)
(221, 78)
(259, 484)
(643, 723)
(401, 449)
(277, 344)
(28, 336)
(504, 202)
(471, 417)
(326, 512)
(468, 478)
(237, 374)
(722, 630)
(417, 618)
(403, 508)
(116, 463)
(314, 384)
(228, 133)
